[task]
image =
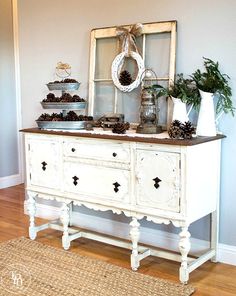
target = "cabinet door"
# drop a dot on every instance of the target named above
(43, 162)
(91, 181)
(158, 177)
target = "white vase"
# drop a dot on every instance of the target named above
(180, 110)
(206, 124)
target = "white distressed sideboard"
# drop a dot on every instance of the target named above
(164, 180)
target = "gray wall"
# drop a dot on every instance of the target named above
(8, 126)
(52, 31)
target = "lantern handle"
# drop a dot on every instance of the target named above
(149, 76)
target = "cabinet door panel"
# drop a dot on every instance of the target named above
(94, 181)
(158, 176)
(44, 164)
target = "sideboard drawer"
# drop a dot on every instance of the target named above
(98, 182)
(158, 175)
(117, 152)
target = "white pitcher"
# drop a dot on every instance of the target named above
(180, 110)
(206, 124)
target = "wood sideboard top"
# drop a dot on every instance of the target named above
(132, 137)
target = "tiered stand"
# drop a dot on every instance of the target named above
(64, 106)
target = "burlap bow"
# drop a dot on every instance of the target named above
(63, 66)
(127, 37)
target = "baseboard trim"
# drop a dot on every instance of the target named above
(227, 254)
(150, 236)
(10, 181)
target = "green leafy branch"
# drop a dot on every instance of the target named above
(213, 81)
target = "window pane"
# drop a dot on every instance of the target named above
(129, 104)
(162, 105)
(157, 53)
(106, 50)
(104, 98)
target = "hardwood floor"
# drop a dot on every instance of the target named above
(210, 279)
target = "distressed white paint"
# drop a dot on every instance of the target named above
(116, 68)
(135, 235)
(65, 219)
(97, 175)
(149, 236)
(184, 248)
(32, 212)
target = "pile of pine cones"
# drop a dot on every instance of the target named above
(120, 127)
(70, 116)
(65, 98)
(67, 80)
(179, 130)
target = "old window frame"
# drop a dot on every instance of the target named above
(148, 28)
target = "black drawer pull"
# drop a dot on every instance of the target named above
(116, 185)
(43, 165)
(75, 178)
(157, 181)
(73, 149)
(114, 154)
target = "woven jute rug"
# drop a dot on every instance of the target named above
(31, 268)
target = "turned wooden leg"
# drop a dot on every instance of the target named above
(31, 207)
(71, 210)
(65, 219)
(134, 234)
(184, 247)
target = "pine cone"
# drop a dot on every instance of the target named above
(69, 80)
(57, 117)
(119, 128)
(77, 98)
(90, 118)
(176, 130)
(81, 117)
(71, 116)
(125, 78)
(127, 125)
(66, 97)
(50, 96)
(44, 117)
(176, 123)
(188, 130)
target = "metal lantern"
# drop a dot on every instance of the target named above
(148, 110)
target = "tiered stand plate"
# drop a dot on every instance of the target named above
(63, 86)
(74, 125)
(64, 105)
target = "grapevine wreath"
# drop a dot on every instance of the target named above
(128, 49)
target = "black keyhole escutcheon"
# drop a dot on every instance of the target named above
(73, 149)
(114, 154)
(75, 178)
(157, 181)
(44, 165)
(116, 187)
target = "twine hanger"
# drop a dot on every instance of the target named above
(127, 38)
